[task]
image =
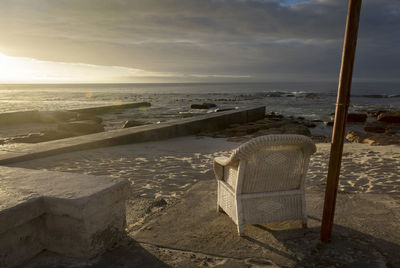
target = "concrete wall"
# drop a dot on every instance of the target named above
(74, 215)
(164, 130)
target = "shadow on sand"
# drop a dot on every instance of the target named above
(128, 253)
(347, 248)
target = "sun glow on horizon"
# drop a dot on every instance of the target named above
(29, 70)
(21, 70)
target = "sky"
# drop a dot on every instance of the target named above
(129, 41)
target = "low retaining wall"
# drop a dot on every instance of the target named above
(71, 214)
(24, 117)
(164, 130)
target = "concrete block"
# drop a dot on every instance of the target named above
(71, 214)
(165, 130)
(255, 114)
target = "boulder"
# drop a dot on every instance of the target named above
(354, 117)
(375, 113)
(203, 106)
(296, 129)
(382, 140)
(355, 136)
(375, 128)
(391, 117)
(80, 127)
(133, 123)
(224, 109)
(274, 116)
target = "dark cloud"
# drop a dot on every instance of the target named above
(262, 39)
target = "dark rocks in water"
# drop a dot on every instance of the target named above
(203, 106)
(275, 94)
(317, 121)
(296, 129)
(224, 109)
(309, 124)
(80, 127)
(375, 113)
(133, 123)
(375, 128)
(274, 116)
(353, 117)
(328, 123)
(389, 117)
(262, 127)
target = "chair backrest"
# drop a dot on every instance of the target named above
(273, 163)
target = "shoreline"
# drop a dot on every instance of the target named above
(39, 126)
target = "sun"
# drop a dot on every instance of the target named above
(20, 70)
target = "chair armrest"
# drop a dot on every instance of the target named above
(219, 164)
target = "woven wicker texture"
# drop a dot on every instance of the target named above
(263, 179)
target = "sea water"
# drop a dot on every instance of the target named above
(313, 100)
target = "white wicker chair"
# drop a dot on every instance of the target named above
(263, 180)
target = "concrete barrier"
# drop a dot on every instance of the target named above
(71, 214)
(33, 116)
(164, 130)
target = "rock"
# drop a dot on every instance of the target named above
(224, 109)
(382, 140)
(355, 136)
(375, 128)
(203, 106)
(133, 123)
(86, 116)
(309, 124)
(274, 116)
(328, 123)
(392, 117)
(317, 121)
(375, 113)
(354, 117)
(80, 127)
(296, 129)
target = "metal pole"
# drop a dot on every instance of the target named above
(342, 105)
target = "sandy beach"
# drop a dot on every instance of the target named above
(169, 168)
(169, 177)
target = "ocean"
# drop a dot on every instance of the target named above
(313, 100)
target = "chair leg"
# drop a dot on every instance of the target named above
(219, 209)
(240, 229)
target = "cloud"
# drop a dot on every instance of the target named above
(260, 39)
